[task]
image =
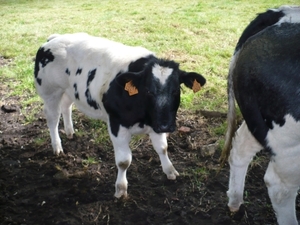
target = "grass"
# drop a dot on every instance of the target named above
(197, 176)
(200, 35)
(89, 161)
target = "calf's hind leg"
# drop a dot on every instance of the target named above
(52, 111)
(282, 180)
(66, 109)
(244, 147)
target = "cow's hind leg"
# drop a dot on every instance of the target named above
(244, 147)
(52, 112)
(159, 142)
(66, 109)
(282, 180)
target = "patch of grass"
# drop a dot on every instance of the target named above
(197, 177)
(220, 130)
(199, 35)
(136, 141)
(89, 161)
(40, 141)
(31, 109)
(258, 161)
(98, 131)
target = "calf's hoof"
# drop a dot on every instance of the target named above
(68, 133)
(237, 214)
(121, 191)
(57, 149)
(70, 136)
(172, 173)
(58, 152)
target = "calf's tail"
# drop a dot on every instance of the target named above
(231, 119)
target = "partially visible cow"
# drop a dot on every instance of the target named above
(264, 77)
(128, 87)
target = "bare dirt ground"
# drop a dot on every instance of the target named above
(37, 187)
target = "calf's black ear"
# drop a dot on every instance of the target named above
(192, 80)
(129, 81)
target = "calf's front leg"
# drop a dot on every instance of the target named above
(160, 144)
(123, 159)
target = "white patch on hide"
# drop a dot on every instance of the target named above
(292, 14)
(283, 139)
(162, 73)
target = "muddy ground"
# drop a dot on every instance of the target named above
(37, 187)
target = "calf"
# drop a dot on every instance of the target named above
(264, 77)
(127, 87)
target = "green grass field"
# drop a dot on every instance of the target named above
(200, 35)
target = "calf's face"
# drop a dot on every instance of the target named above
(159, 86)
(162, 94)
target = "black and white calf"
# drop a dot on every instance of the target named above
(264, 77)
(128, 87)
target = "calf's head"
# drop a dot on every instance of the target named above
(159, 86)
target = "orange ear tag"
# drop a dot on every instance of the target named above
(196, 86)
(132, 90)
